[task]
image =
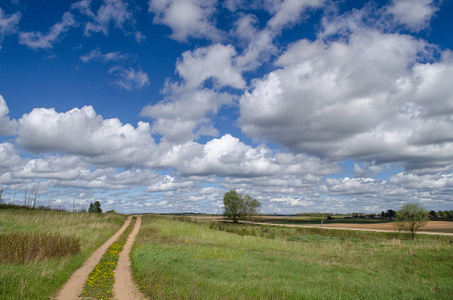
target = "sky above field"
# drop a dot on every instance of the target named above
(164, 105)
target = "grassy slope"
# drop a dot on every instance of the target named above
(175, 260)
(42, 279)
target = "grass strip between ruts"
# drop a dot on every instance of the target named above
(99, 284)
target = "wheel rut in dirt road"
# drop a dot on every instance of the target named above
(124, 288)
(74, 286)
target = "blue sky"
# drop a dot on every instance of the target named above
(164, 105)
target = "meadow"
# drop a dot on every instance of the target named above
(185, 258)
(175, 259)
(42, 278)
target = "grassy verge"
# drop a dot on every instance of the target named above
(42, 279)
(99, 284)
(183, 260)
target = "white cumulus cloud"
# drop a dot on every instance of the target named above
(184, 113)
(186, 18)
(368, 97)
(216, 61)
(83, 132)
(414, 14)
(7, 126)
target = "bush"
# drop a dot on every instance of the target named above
(20, 248)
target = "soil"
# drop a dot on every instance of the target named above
(431, 226)
(124, 288)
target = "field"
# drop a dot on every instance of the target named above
(40, 279)
(186, 260)
(440, 225)
(369, 224)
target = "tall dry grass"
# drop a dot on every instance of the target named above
(20, 248)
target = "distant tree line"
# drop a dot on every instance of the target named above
(446, 214)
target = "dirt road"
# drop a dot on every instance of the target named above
(124, 287)
(74, 287)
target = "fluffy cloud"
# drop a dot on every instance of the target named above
(109, 179)
(215, 61)
(8, 158)
(261, 45)
(83, 132)
(186, 111)
(228, 156)
(36, 40)
(288, 12)
(186, 18)
(8, 24)
(245, 28)
(368, 96)
(54, 168)
(180, 118)
(7, 126)
(169, 183)
(430, 182)
(414, 14)
(114, 12)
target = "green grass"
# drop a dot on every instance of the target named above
(99, 284)
(42, 279)
(183, 260)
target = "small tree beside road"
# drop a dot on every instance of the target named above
(239, 206)
(410, 218)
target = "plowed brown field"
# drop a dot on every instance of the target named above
(435, 226)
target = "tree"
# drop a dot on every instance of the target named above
(95, 208)
(252, 205)
(390, 213)
(410, 218)
(239, 206)
(91, 209)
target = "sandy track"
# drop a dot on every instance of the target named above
(74, 286)
(124, 288)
